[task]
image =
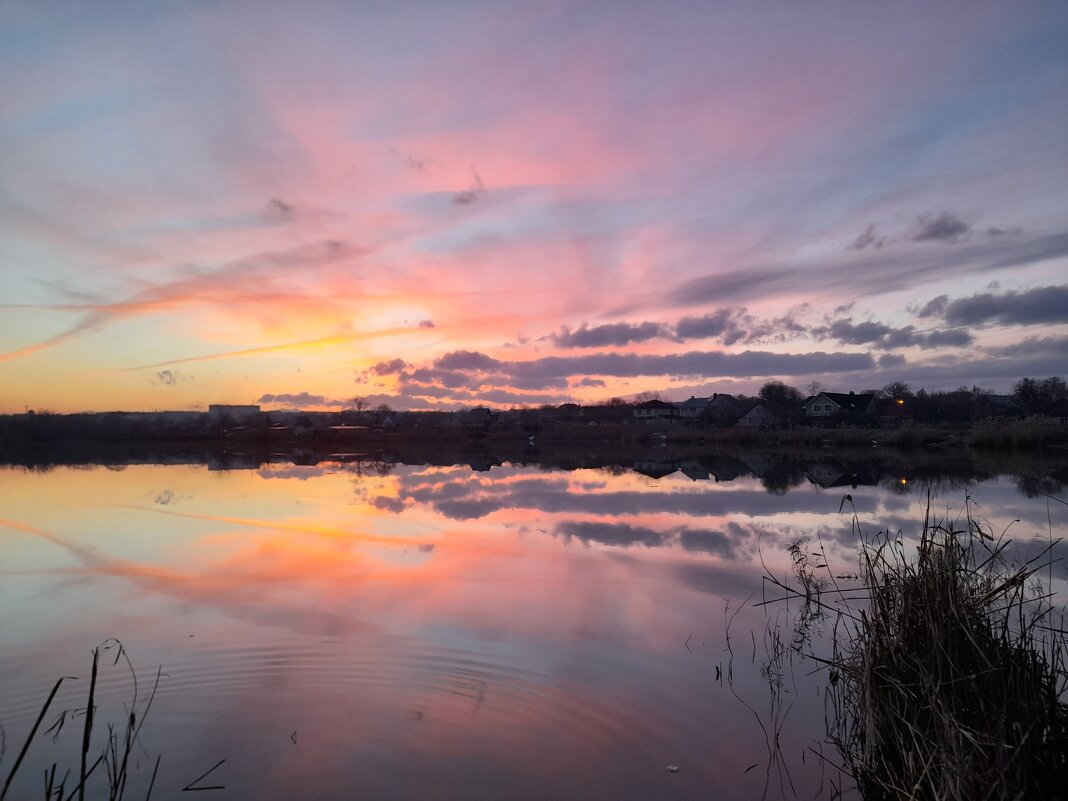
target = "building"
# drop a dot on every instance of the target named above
(692, 409)
(764, 414)
(656, 412)
(831, 405)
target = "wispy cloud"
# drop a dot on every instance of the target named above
(944, 227)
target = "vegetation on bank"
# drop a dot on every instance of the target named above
(948, 671)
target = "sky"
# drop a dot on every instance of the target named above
(446, 204)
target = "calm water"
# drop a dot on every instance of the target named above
(370, 630)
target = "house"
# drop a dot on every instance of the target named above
(722, 409)
(691, 410)
(656, 412)
(833, 405)
(765, 414)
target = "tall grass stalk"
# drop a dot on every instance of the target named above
(948, 668)
(114, 754)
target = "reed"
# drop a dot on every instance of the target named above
(113, 754)
(948, 669)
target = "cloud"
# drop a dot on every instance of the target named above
(948, 338)
(474, 376)
(467, 360)
(611, 334)
(471, 194)
(619, 534)
(996, 231)
(707, 541)
(691, 363)
(299, 399)
(389, 368)
(868, 239)
(870, 274)
(714, 324)
(253, 283)
(426, 324)
(1048, 304)
(1034, 346)
(886, 337)
(167, 377)
(945, 227)
(935, 307)
(278, 210)
(445, 378)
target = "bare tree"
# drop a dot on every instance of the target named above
(778, 392)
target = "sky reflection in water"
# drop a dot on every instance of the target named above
(411, 632)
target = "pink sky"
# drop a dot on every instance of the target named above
(526, 203)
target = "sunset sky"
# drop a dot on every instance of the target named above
(443, 204)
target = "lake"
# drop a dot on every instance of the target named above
(366, 628)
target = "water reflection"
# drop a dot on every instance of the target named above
(477, 629)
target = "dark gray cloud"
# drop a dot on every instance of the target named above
(470, 500)
(862, 275)
(472, 193)
(167, 377)
(944, 227)
(518, 398)
(996, 231)
(708, 541)
(278, 210)
(935, 307)
(426, 324)
(1048, 304)
(891, 360)
(868, 238)
(610, 533)
(692, 363)
(468, 377)
(453, 379)
(610, 334)
(391, 367)
(467, 360)
(720, 323)
(394, 505)
(1034, 346)
(855, 334)
(886, 337)
(949, 338)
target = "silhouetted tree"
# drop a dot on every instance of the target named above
(1053, 389)
(897, 389)
(648, 395)
(778, 392)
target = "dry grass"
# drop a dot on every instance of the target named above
(1029, 433)
(948, 669)
(110, 748)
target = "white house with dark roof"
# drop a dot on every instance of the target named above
(828, 405)
(656, 412)
(691, 409)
